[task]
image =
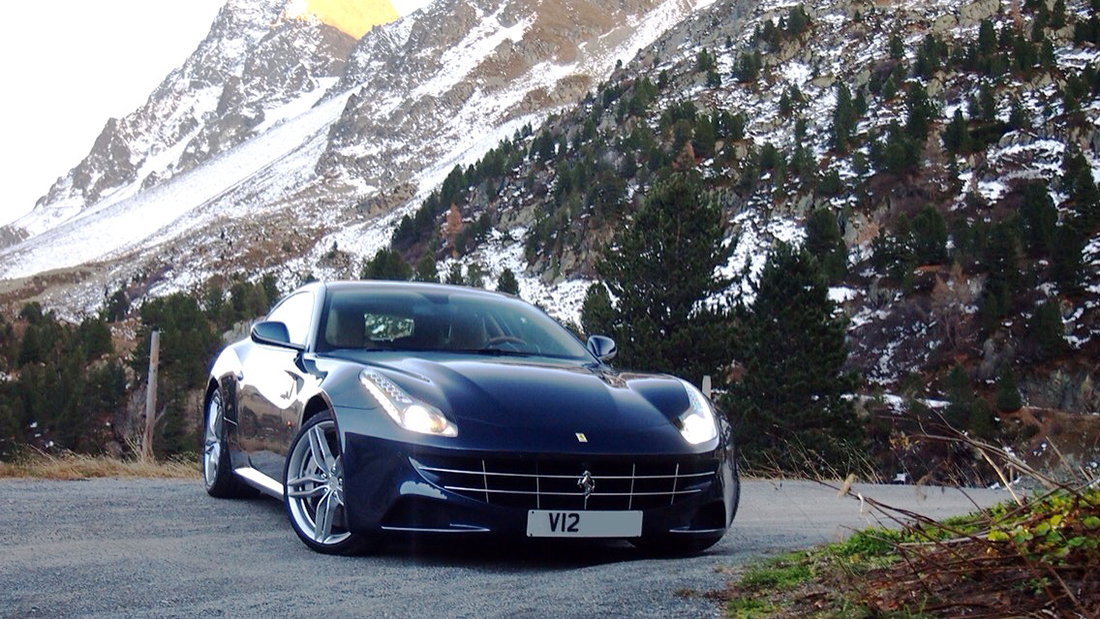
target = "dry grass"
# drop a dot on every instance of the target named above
(803, 463)
(69, 466)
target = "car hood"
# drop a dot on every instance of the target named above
(545, 403)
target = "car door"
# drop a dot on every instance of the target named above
(273, 378)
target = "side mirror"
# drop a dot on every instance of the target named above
(273, 333)
(602, 347)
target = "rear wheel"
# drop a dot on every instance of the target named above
(217, 471)
(314, 489)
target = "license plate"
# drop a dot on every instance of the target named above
(552, 523)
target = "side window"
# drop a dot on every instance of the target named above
(296, 313)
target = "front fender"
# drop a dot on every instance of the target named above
(225, 373)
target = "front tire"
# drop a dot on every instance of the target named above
(313, 489)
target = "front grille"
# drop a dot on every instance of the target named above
(530, 483)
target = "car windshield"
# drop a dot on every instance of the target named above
(441, 321)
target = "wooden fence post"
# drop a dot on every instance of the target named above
(151, 398)
(706, 385)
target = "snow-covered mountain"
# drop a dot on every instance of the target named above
(281, 135)
(251, 64)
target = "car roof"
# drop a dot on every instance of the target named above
(424, 287)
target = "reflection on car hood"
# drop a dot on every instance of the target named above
(532, 396)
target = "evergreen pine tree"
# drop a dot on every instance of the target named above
(1018, 118)
(844, 119)
(1087, 31)
(10, 436)
(1040, 219)
(987, 100)
(30, 350)
(704, 61)
(426, 269)
(748, 68)
(95, 338)
(772, 36)
(956, 136)
(981, 422)
(1008, 394)
(1067, 265)
(860, 103)
(507, 282)
(1024, 55)
(714, 78)
(702, 142)
(797, 21)
(803, 165)
(118, 306)
(830, 184)
(897, 47)
(386, 264)
(661, 268)
(898, 154)
(1078, 182)
(1046, 331)
(1058, 15)
(792, 401)
(475, 275)
(893, 252)
(929, 241)
(921, 112)
(597, 314)
(1001, 259)
(32, 313)
(785, 106)
(1046, 55)
(859, 163)
(987, 38)
(454, 275)
(824, 242)
(890, 89)
(960, 397)
(1037, 33)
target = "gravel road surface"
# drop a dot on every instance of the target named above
(151, 548)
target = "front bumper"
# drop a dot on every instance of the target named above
(402, 487)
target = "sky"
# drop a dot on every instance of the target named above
(69, 65)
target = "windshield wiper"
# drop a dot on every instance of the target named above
(496, 351)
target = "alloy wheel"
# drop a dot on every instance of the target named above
(212, 440)
(315, 485)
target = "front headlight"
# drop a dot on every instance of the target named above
(697, 424)
(403, 409)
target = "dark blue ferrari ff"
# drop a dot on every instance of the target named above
(375, 407)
